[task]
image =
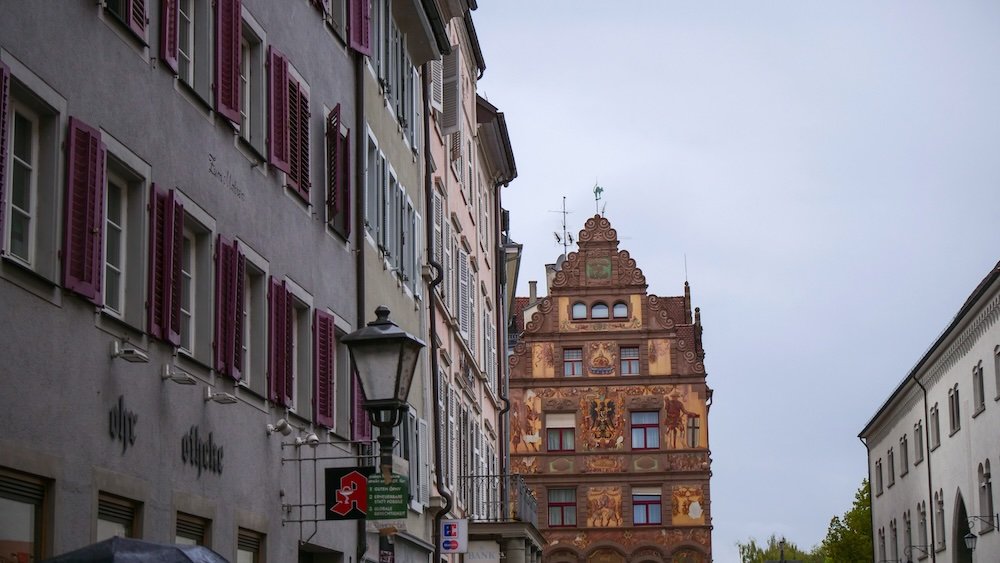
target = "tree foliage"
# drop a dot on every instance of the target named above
(849, 537)
(752, 552)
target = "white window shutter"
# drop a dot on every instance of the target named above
(446, 264)
(463, 291)
(437, 86)
(438, 228)
(424, 469)
(451, 81)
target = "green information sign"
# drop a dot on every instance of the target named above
(386, 501)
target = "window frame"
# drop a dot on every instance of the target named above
(192, 528)
(630, 362)
(614, 310)
(34, 120)
(255, 321)
(562, 506)
(201, 228)
(572, 366)
(109, 504)
(594, 307)
(647, 501)
(254, 95)
(645, 428)
(31, 491)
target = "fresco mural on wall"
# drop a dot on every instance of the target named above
(603, 422)
(525, 421)
(604, 507)
(675, 419)
(687, 506)
(602, 359)
(659, 356)
(606, 556)
(543, 363)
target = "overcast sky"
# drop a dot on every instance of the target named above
(831, 171)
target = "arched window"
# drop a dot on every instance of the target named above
(579, 311)
(599, 311)
(620, 310)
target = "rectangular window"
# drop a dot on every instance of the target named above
(878, 477)
(645, 430)
(290, 381)
(115, 231)
(22, 499)
(573, 362)
(131, 14)
(253, 343)
(289, 132)
(646, 510)
(249, 546)
(918, 442)
(693, 431)
(562, 508)
(191, 530)
(892, 467)
(22, 219)
(935, 427)
(904, 455)
(338, 173)
(954, 414)
(185, 40)
(978, 390)
(191, 52)
(252, 83)
(188, 265)
(560, 432)
(630, 360)
(117, 516)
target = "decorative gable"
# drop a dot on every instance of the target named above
(598, 263)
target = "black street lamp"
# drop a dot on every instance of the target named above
(385, 357)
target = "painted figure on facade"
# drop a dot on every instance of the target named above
(675, 418)
(604, 507)
(687, 506)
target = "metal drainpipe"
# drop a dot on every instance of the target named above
(501, 345)
(930, 482)
(435, 383)
(360, 143)
(871, 502)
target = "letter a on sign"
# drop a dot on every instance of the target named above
(346, 492)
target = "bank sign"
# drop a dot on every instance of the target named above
(354, 493)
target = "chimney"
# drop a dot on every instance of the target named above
(532, 292)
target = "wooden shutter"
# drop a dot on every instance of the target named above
(452, 91)
(324, 362)
(277, 140)
(230, 272)
(359, 22)
(344, 189)
(168, 33)
(446, 285)
(294, 145)
(84, 205)
(303, 142)
(437, 85)
(166, 240)
(4, 138)
(438, 228)
(361, 426)
(228, 38)
(464, 292)
(423, 453)
(281, 316)
(137, 18)
(333, 164)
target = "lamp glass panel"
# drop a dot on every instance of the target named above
(376, 363)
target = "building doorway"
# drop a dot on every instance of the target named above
(962, 554)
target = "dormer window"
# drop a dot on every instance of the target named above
(620, 310)
(599, 311)
(579, 311)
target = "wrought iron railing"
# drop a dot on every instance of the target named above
(497, 498)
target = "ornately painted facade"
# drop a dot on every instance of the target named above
(609, 419)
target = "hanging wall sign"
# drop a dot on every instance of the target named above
(347, 492)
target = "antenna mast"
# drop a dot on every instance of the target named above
(566, 239)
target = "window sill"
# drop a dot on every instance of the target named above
(954, 431)
(979, 410)
(252, 153)
(917, 462)
(118, 327)
(30, 280)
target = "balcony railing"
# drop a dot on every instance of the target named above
(497, 498)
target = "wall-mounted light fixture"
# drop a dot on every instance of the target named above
(280, 426)
(971, 538)
(220, 397)
(177, 375)
(128, 352)
(310, 439)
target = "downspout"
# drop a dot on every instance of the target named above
(360, 142)
(501, 345)
(438, 274)
(930, 482)
(871, 502)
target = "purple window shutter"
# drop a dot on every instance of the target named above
(276, 333)
(294, 132)
(224, 262)
(344, 189)
(137, 18)
(157, 273)
(228, 37)
(173, 253)
(168, 33)
(84, 204)
(360, 26)
(303, 142)
(278, 86)
(239, 289)
(4, 135)
(333, 171)
(324, 350)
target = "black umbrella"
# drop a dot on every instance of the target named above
(123, 550)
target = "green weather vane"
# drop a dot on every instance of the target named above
(598, 191)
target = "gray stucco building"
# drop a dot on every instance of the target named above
(176, 209)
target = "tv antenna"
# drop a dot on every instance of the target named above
(566, 239)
